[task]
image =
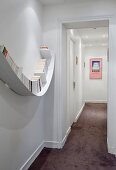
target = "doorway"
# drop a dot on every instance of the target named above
(87, 50)
(71, 90)
(76, 25)
(91, 51)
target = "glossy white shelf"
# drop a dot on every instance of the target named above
(9, 77)
(49, 75)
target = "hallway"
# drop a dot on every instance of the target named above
(85, 148)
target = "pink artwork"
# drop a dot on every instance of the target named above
(96, 68)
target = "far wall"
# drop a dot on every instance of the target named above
(95, 90)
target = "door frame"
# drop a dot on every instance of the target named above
(70, 39)
(59, 66)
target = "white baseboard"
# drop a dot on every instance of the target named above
(78, 115)
(51, 144)
(112, 150)
(95, 101)
(31, 159)
(47, 144)
(61, 145)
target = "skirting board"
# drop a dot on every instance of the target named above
(59, 145)
(96, 101)
(112, 150)
(47, 144)
(65, 138)
(78, 115)
(31, 159)
(51, 144)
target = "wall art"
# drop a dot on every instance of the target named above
(96, 68)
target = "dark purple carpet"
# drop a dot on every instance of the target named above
(86, 146)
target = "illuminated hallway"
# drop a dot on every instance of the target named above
(42, 127)
(86, 147)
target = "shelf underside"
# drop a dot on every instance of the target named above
(8, 76)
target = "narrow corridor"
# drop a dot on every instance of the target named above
(86, 146)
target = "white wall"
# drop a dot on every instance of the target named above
(112, 88)
(95, 90)
(21, 31)
(53, 123)
(64, 83)
(24, 119)
(52, 15)
(21, 118)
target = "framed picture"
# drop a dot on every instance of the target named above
(96, 68)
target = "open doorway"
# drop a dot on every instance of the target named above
(72, 37)
(87, 67)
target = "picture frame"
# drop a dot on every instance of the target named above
(96, 68)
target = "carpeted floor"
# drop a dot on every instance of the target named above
(86, 147)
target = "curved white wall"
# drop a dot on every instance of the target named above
(21, 118)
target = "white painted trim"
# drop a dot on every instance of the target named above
(55, 144)
(31, 159)
(112, 150)
(65, 138)
(58, 83)
(47, 144)
(79, 113)
(84, 19)
(58, 71)
(95, 101)
(51, 144)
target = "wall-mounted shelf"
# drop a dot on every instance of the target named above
(21, 86)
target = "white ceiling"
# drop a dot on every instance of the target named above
(92, 36)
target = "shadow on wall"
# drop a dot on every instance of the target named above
(50, 113)
(16, 111)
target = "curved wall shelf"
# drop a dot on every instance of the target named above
(22, 85)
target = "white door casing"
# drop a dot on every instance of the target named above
(111, 77)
